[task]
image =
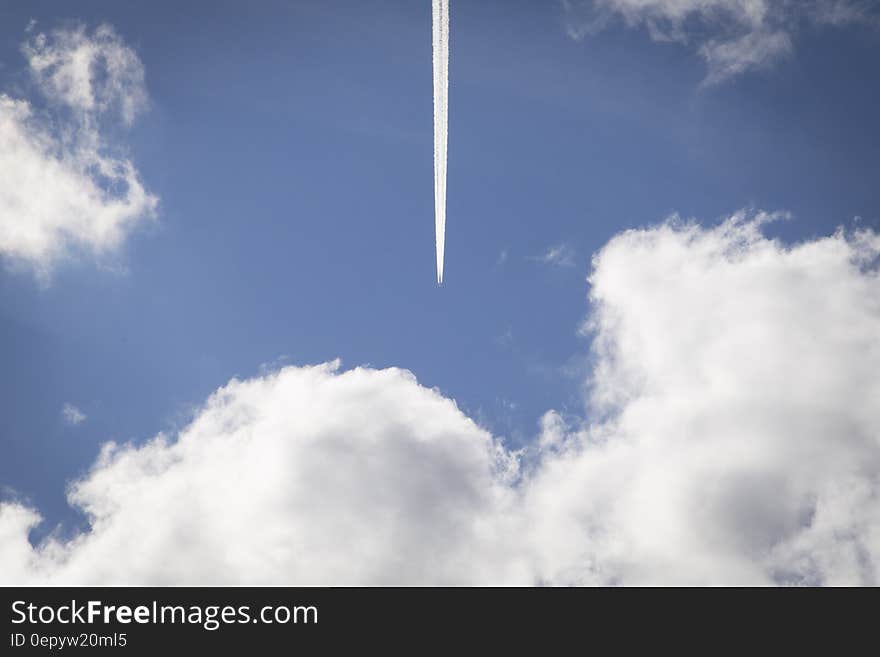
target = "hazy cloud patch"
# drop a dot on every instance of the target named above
(72, 415)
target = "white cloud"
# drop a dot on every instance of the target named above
(91, 73)
(751, 51)
(306, 475)
(734, 437)
(742, 439)
(65, 189)
(559, 255)
(72, 415)
(732, 36)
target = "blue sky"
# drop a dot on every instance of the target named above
(290, 144)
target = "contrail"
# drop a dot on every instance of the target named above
(441, 124)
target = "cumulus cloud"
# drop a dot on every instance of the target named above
(741, 439)
(733, 437)
(732, 36)
(307, 475)
(72, 415)
(65, 188)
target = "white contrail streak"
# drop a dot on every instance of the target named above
(441, 124)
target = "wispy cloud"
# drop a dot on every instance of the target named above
(65, 187)
(72, 415)
(731, 36)
(559, 255)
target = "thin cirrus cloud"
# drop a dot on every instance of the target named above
(733, 437)
(731, 36)
(65, 188)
